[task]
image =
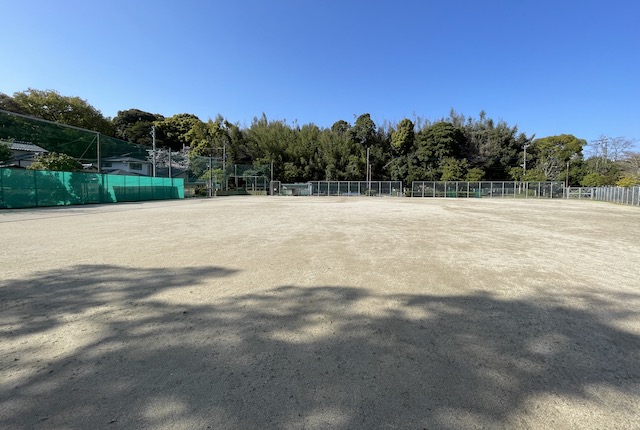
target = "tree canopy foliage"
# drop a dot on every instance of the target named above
(51, 106)
(451, 148)
(56, 162)
(5, 152)
(134, 125)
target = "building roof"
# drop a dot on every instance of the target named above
(25, 146)
(125, 159)
(121, 172)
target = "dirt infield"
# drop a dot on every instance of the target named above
(316, 313)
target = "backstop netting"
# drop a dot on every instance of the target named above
(212, 175)
(85, 146)
(203, 175)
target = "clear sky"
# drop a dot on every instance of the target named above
(548, 66)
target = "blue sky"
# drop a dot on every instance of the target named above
(550, 67)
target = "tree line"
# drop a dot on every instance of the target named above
(455, 147)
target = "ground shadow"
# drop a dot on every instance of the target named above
(301, 357)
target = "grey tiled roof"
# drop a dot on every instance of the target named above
(120, 172)
(125, 159)
(24, 146)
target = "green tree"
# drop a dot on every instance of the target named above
(342, 150)
(340, 127)
(440, 140)
(270, 142)
(56, 162)
(435, 147)
(5, 152)
(239, 148)
(453, 169)
(208, 139)
(597, 171)
(54, 107)
(173, 132)
(553, 154)
(363, 131)
(593, 180)
(9, 104)
(303, 155)
(474, 174)
(334, 148)
(628, 181)
(403, 137)
(134, 125)
(496, 148)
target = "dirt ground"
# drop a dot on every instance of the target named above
(316, 313)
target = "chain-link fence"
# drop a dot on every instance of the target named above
(356, 188)
(211, 176)
(496, 189)
(338, 188)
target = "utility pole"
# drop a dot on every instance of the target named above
(210, 193)
(368, 178)
(224, 166)
(271, 189)
(98, 155)
(525, 160)
(153, 147)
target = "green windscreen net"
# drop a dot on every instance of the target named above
(201, 174)
(77, 143)
(33, 188)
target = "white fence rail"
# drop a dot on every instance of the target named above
(620, 195)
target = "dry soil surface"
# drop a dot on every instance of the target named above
(315, 313)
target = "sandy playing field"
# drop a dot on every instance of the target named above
(317, 313)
